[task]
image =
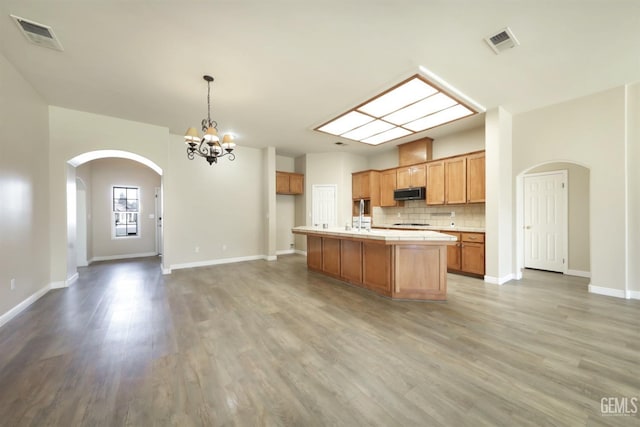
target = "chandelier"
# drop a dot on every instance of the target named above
(209, 145)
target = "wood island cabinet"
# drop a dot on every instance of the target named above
(411, 176)
(331, 256)
(314, 252)
(289, 183)
(351, 261)
(376, 267)
(388, 185)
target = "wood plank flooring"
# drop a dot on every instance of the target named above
(270, 343)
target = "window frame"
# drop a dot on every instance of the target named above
(137, 212)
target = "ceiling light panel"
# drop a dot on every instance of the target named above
(346, 123)
(389, 135)
(411, 106)
(408, 93)
(439, 118)
(368, 130)
(431, 105)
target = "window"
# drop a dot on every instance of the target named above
(126, 207)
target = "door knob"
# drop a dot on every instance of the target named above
(528, 227)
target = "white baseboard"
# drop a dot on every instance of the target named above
(633, 294)
(58, 285)
(127, 256)
(579, 273)
(499, 280)
(24, 304)
(165, 271)
(71, 280)
(301, 252)
(216, 262)
(285, 252)
(271, 257)
(610, 292)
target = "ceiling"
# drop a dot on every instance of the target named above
(283, 67)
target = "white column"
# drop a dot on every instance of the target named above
(632, 155)
(269, 156)
(499, 208)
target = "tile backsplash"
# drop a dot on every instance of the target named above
(415, 211)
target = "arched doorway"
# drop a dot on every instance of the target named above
(578, 256)
(77, 188)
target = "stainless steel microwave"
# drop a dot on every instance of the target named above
(417, 193)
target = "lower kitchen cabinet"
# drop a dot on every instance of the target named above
(376, 267)
(467, 255)
(331, 256)
(314, 252)
(351, 261)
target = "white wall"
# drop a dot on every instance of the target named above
(109, 172)
(633, 189)
(83, 172)
(589, 131)
(285, 209)
(75, 132)
(386, 160)
(217, 209)
(332, 168)
(459, 143)
(24, 199)
(301, 203)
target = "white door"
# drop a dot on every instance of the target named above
(324, 207)
(545, 221)
(81, 225)
(158, 221)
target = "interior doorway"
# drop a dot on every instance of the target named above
(545, 221)
(577, 243)
(324, 204)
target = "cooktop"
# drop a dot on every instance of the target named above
(411, 224)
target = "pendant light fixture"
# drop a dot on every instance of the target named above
(209, 146)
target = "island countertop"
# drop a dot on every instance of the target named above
(377, 234)
(402, 264)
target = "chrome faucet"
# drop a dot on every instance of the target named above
(361, 214)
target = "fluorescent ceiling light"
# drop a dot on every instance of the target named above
(389, 135)
(439, 118)
(405, 94)
(420, 109)
(368, 130)
(345, 123)
(411, 106)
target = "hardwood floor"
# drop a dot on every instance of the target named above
(269, 343)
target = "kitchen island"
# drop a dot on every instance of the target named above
(399, 264)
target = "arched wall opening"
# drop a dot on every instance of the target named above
(76, 188)
(578, 246)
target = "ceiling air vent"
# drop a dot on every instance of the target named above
(38, 34)
(502, 40)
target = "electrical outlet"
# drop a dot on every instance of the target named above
(453, 214)
(197, 249)
(13, 284)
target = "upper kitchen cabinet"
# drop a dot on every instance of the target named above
(455, 180)
(411, 176)
(289, 183)
(388, 184)
(366, 185)
(476, 178)
(414, 152)
(435, 183)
